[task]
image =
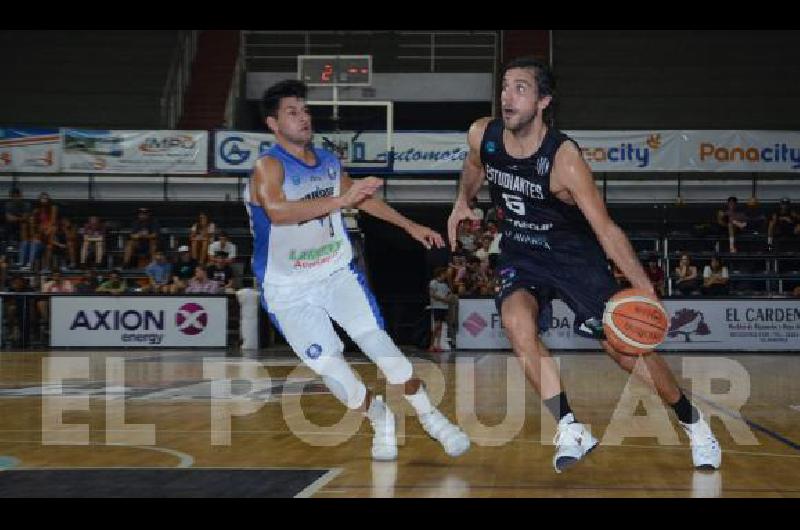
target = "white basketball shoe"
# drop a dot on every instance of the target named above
(706, 452)
(384, 441)
(573, 441)
(454, 441)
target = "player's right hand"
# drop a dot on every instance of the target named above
(360, 190)
(461, 211)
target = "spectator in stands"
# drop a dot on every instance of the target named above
(159, 272)
(441, 298)
(183, 271)
(656, 275)
(94, 235)
(32, 246)
(223, 245)
(201, 237)
(456, 271)
(467, 237)
(491, 229)
(715, 278)
(88, 284)
(784, 223)
(56, 285)
(687, 279)
(483, 252)
(41, 225)
(735, 220)
(18, 211)
(144, 236)
(221, 272)
(475, 282)
(61, 246)
(200, 283)
(114, 285)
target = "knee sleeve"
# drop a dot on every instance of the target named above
(327, 362)
(380, 348)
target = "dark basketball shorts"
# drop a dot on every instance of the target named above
(439, 315)
(584, 286)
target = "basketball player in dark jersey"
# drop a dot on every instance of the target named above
(556, 234)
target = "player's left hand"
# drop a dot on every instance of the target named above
(426, 236)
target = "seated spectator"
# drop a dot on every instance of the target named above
(656, 275)
(144, 237)
(88, 284)
(221, 272)
(184, 270)
(687, 279)
(441, 298)
(715, 278)
(114, 285)
(56, 285)
(475, 282)
(201, 237)
(159, 272)
(737, 220)
(94, 237)
(784, 223)
(492, 285)
(17, 211)
(456, 271)
(466, 236)
(483, 252)
(61, 246)
(200, 283)
(223, 245)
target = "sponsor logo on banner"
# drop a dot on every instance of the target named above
(627, 151)
(30, 150)
(741, 151)
(687, 323)
(475, 324)
(191, 319)
(778, 154)
(148, 152)
(138, 321)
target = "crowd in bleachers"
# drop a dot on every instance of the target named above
(47, 252)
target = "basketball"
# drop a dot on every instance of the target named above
(634, 322)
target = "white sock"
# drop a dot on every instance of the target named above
(420, 401)
(377, 409)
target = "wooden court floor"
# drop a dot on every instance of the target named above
(136, 410)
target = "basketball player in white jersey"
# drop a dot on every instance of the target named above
(303, 260)
(556, 236)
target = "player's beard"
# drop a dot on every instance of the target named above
(526, 122)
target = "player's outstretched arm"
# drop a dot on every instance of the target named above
(573, 173)
(267, 191)
(377, 208)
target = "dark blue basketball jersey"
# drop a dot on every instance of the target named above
(534, 223)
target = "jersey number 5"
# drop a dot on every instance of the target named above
(514, 203)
